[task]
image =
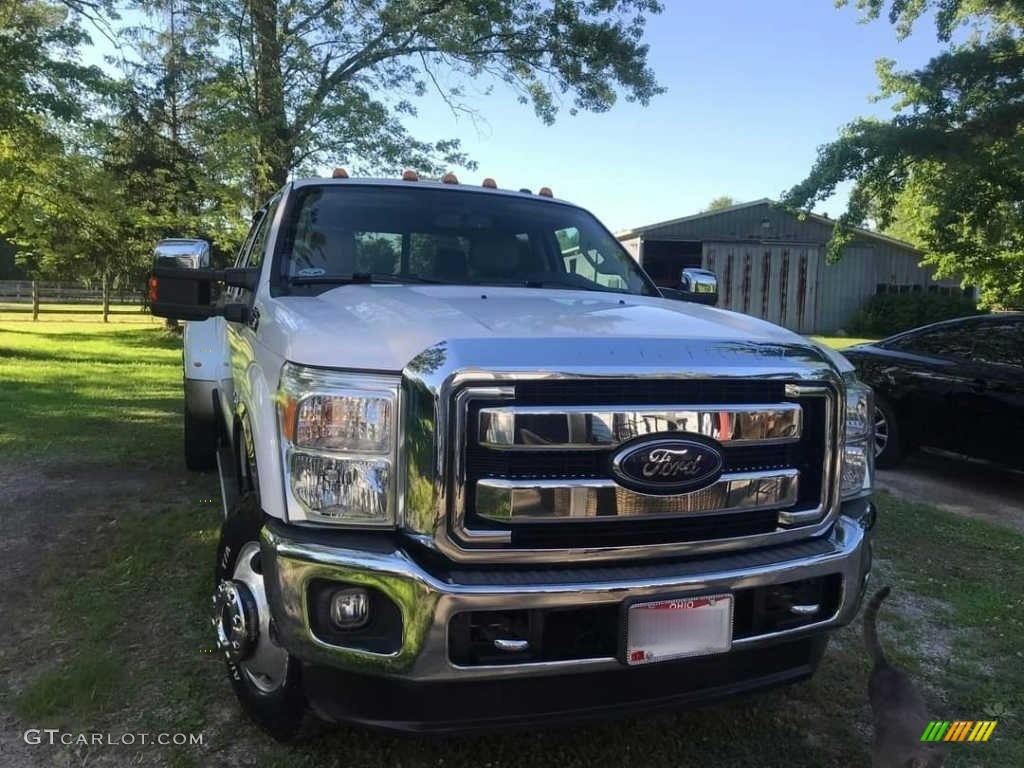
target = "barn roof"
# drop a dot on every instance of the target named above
(708, 225)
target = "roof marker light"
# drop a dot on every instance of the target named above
(527, 191)
(339, 173)
(490, 183)
(410, 176)
(449, 178)
(545, 192)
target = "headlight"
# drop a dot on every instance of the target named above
(338, 439)
(858, 465)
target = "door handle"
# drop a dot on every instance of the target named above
(511, 645)
(808, 609)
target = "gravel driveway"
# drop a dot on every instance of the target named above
(959, 485)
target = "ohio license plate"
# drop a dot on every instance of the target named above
(671, 629)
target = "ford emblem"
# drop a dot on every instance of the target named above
(668, 465)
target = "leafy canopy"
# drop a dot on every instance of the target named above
(94, 171)
(219, 101)
(320, 80)
(947, 171)
(722, 202)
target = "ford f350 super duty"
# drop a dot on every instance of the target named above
(479, 471)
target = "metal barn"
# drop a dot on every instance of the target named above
(771, 264)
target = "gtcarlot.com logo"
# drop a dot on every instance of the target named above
(55, 736)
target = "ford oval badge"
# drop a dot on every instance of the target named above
(668, 465)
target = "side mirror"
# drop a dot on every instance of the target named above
(187, 254)
(180, 286)
(695, 284)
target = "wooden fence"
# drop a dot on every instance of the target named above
(39, 293)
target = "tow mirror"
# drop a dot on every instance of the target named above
(695, 284)
(181, 284)
(179, 252)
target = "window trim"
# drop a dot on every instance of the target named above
(269, 210)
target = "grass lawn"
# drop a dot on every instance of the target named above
(76, 385)
(120, 599)
(841, 342)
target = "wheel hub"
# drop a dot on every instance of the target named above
(241, 619)
(235, 619)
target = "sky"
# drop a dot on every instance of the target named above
(753, 89)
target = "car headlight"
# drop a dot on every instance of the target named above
(339, 443)
(858, 462)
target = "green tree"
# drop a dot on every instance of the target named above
(187, 177)
(949, 166)
(42, 103)
(103, 184)
(721, 202)
(40, 77)
(41, 88)
(312, 80)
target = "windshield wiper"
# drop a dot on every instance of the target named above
(572, 285)
(360, 278)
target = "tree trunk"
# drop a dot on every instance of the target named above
(271, 120)
(106, 298)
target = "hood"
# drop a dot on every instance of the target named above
(383, 327)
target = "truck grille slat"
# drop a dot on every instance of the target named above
(578, 428)
(520, 501)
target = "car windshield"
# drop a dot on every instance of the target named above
(394, 234)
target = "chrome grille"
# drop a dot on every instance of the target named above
(534, 467)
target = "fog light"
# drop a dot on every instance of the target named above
(350, 608)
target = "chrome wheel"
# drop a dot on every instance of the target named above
(881, 432)
(241, 618)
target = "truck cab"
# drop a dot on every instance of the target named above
(479, 471)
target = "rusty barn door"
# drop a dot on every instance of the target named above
(777, 282)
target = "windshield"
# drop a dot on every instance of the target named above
(446, 236)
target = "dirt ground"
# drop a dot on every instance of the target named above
(961, 486)
(56, 515)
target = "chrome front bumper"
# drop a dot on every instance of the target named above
(293, 559)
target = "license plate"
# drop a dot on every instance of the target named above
(671, 629)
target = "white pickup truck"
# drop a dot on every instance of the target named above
(478, 471)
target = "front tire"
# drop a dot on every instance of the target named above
(266, 679)
(890, 445)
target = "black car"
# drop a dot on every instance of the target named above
(956, 385)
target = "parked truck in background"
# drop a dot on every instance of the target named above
(479, 471)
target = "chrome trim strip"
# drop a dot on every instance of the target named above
(546, 428)
(531, 501)
(829, 505)
(471, 536)
(427, 602)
